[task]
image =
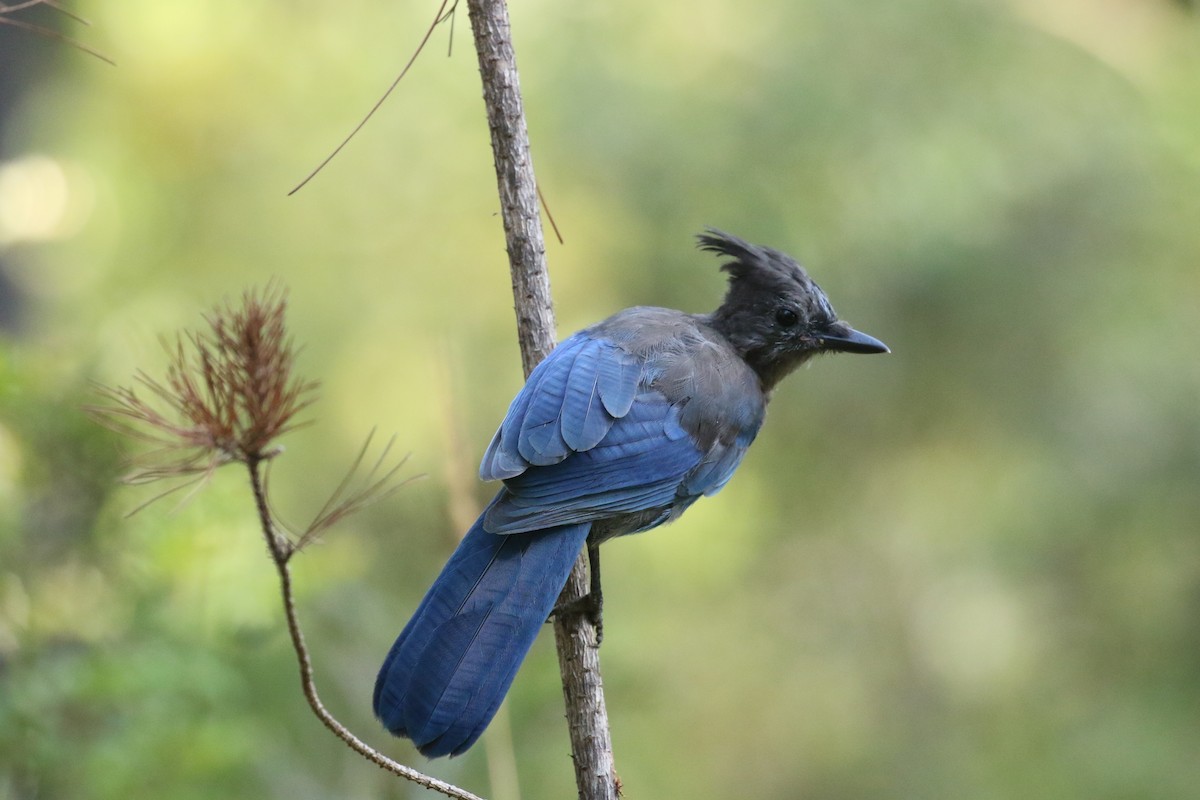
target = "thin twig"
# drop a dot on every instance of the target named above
(374, 489)
(49, 33)
(281, 551)
(7, 9)
(65, 12)
(378, 103)
(549, 216)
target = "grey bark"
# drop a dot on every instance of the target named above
(575, 636)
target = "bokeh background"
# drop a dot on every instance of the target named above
(968, 569)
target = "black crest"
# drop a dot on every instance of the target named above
(757, 273)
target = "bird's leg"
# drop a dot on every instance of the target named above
(592, 603)
(595, 608)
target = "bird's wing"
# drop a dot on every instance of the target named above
(640, 464)
(569, 403)
(599, 431)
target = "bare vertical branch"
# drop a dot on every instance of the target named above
(575, 636)
(514, 176)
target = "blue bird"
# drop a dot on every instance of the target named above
(620, 429)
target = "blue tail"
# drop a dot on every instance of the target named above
(452, 664)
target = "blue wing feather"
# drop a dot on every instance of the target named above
(620, 374)
(501, 459)
(568, 405)
(585, 420)
(540, 441)
(640, 464)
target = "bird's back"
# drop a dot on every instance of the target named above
(694, 367)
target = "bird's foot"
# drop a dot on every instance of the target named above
(591, 605)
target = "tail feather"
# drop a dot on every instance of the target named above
(453, 663)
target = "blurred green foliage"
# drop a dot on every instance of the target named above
(968, 569)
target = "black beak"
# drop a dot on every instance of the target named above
(842, 338)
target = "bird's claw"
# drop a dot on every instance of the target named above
(590, 605)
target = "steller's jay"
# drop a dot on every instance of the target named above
(621, 428)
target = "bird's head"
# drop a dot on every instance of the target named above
(776, 316)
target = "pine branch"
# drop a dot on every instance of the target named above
(230, 392)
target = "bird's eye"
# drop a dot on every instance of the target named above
(786, 317)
